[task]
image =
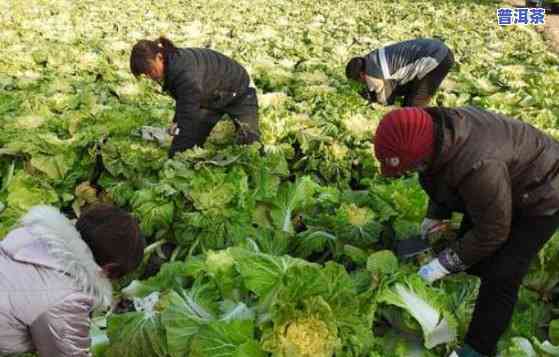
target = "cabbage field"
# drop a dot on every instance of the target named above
(283, 249)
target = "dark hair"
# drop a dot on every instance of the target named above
(113, 235)
(354, 68)
(146, 50)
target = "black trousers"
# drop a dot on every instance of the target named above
(501, 276)
(243, 111)
(418, 92)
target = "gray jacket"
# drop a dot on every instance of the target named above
(50, 283)
(402, 62)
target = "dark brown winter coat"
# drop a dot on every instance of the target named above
(495, 169)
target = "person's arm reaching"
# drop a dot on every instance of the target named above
(63, 330)
(190, 128)
(487, 194)
(435, 218)
(488, 199)
(377, 86)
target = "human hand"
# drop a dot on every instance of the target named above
(173, 129)
(429, 226)
(433, 271)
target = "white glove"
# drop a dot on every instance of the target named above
(173, 130)
(152, 133)
(432, 271)
(430, 226)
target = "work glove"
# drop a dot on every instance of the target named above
(151, 133)
(369, 96)
(173, 130)
(429, 226)
(246, 137)
(433, 271)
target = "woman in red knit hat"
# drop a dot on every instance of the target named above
(503, 175)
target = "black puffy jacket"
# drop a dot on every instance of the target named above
(199, 80)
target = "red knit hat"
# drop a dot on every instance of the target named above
(403, 138)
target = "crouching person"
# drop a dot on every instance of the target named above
(54, 274)
(411, 69)
(503, 176)
(205, 84)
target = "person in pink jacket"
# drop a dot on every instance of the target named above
(53, 274)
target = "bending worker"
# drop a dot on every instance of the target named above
(503, 175)
(205, 85)
(53, 274)
(413, 69)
